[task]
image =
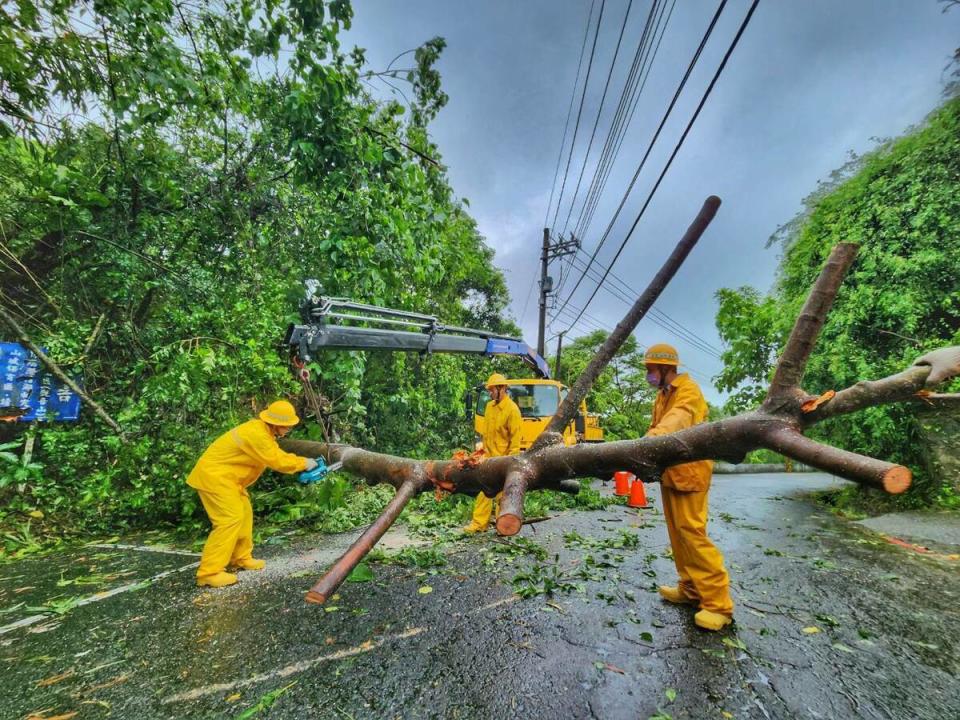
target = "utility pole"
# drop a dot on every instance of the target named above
(550, 251)
(556, 362)
(544, 289)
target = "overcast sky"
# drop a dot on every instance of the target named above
(809, 82)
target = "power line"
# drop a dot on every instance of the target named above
(576, 127)
(596, 122)
(653, 140)
(573, 95)
(523, 312)
(628, 291)
(645, 69)
(600, 324)
(683, 137)
(563, 142)
(586, 325)
(605, 327)
(626, 96)
(633, 87)
(659, 318)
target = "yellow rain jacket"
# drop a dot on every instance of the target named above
(501, 435)
(238, 457)
(681, 406)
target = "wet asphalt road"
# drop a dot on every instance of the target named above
(832, 622)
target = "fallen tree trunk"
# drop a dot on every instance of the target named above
(777, 425)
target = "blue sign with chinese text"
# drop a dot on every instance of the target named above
(25, 385)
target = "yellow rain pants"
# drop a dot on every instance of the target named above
(684, 491)
(221, 476)
(501, 436)
(483, 508)
(699, 563)
(231, 540)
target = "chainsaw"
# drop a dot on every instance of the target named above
(309, 477)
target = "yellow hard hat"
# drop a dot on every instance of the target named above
(280, 413)
(496, 379)
(661, 354)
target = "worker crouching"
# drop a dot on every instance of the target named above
(501, 436)
(703, 579)
(221, 477)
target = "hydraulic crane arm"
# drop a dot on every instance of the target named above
(346, 325)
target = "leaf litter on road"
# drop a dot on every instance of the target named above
(264, 702)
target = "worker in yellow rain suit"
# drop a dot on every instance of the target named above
(703, 578)
(501, 436)
(222, 475)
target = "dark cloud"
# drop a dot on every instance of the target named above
(810, 82)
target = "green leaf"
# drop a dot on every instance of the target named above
(361, 573)
(93, 197)
(265, 702)
(734, 643)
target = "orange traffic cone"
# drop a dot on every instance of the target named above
(621, 483)
(638, 496)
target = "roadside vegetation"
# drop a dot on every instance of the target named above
(174, 174)
(901, 202)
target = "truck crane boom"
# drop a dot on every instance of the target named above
(338, 323)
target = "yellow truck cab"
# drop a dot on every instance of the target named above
(538, 400)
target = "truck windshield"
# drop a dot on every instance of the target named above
(534, 401)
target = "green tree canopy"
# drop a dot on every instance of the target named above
(174, 172)
(901, 203)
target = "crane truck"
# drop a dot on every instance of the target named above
(330, 323)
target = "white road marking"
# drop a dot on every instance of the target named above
(303, 665)
(289, 670)
(143, 548)
(97, 597)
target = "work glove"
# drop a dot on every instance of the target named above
(313, 474)
(311, 464)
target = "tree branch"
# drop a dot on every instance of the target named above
(333, 578)
(863, 469)
(416, 152)
(793, 361)
(510, 517)
(942, 365)
(946, 400)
